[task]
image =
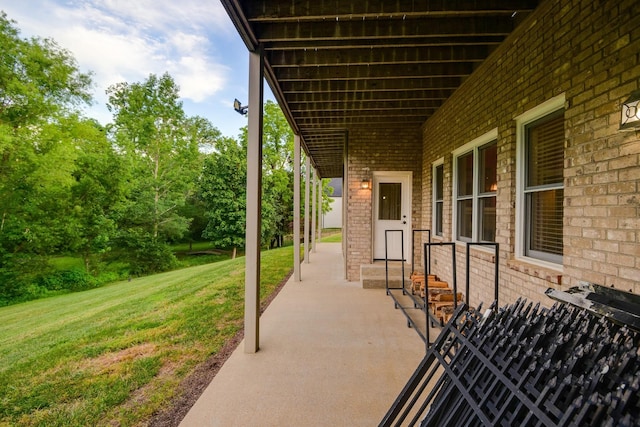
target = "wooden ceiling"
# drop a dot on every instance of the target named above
(337, 65)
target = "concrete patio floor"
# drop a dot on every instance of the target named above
(331, 354)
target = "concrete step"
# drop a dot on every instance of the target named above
(378, 269)
(381, 283)
(373, 276)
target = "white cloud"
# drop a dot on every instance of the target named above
(109, 55)
(167, 14)
(198, 79)
(182, 41)
(127, 40)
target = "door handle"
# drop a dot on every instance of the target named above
(404, 222)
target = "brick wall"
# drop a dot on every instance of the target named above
(590, 51)
(369, 151)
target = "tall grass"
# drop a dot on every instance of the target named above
(115, 355)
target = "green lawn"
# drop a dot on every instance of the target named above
(66, 262)
(332, 235)
(114, 355)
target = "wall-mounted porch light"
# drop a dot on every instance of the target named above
(630, 117)
(239, 108)
(365, 184)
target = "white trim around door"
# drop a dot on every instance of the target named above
(391, 210)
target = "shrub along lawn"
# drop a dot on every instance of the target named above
(116, 354)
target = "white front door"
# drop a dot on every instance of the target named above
(392, 211)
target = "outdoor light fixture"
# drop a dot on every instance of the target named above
(365, 184)
(630, 117)
(239, 108)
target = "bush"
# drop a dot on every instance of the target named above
(72, 280)
(151, 257)
(111, 276)
(78, 280)
(18, 277)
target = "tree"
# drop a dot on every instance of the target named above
(161, 145)
(223, 191)
(278, 175)
(206, 135)
(39, 83)
(97, 193)
(38, 79)
(223, 185)
(40, 88)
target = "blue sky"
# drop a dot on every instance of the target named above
(126, 40)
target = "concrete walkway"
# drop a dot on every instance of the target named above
(331, 354)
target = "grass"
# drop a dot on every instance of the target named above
(195, 246)
(66, 262)
(331, 235)
(197, 253)
(115, 355)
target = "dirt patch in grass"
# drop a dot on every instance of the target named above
(195, 383)
(110, 362)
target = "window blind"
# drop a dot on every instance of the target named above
(545, 152)
(546, 221)
(544, 187)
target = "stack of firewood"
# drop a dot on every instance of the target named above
(440, 299)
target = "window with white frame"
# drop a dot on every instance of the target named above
(543, 189)
(438, 198)
(475, 187)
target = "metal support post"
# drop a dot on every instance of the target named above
(306, 209)
(320, 218)
(296, 208)
(254, 190)
(314, 211)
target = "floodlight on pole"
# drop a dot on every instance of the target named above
(239, 108)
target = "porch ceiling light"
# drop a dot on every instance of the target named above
(630, 117)
(365, 184)
(239, 108)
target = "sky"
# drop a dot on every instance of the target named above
(127, 40)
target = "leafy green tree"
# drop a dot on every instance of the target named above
(160, 144)
(40, 89)
(202, 133)
(223, 182)
(38, 80)
(327, 192)
(194, 209)
(278, 175)
(97, 194)
(206, 135)
(223, 192)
